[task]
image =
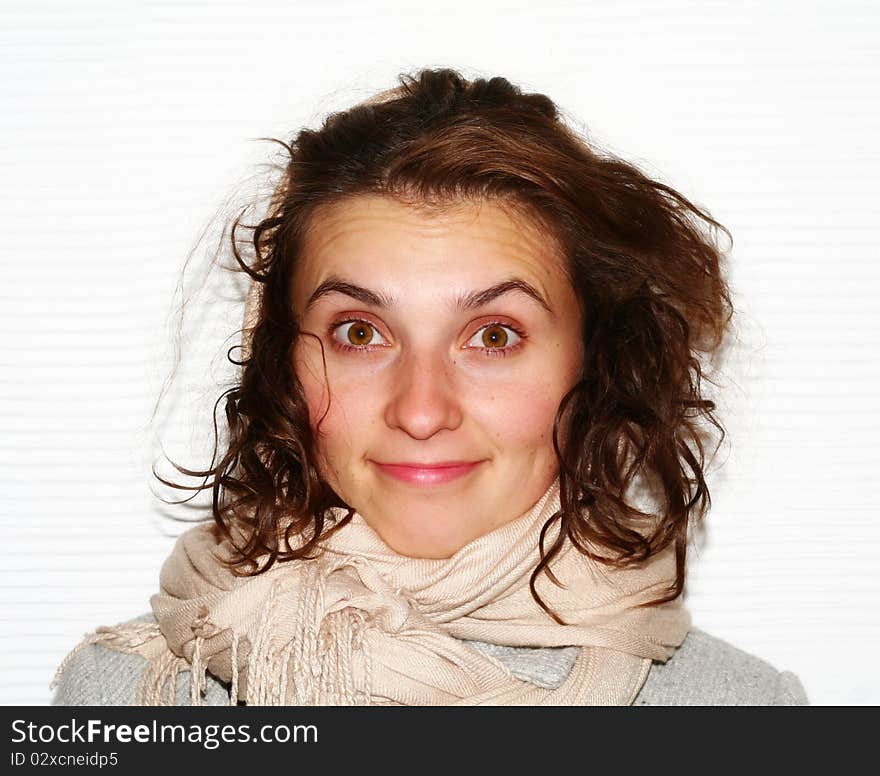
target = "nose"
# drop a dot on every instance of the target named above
(423, 397)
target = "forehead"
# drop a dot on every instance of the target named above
(379, 239)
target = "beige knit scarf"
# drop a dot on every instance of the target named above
(360, 624)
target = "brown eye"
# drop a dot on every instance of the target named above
(497, 339)
(356, 335)
(494, 336)
(360, 334)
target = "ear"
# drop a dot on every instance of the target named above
(251, 315)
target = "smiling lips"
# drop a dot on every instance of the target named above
(427, 474)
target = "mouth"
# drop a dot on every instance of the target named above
(427, 473)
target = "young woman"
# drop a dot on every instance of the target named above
(468, 436)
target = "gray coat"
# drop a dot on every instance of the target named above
(703, 671)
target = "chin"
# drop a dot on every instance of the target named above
(427, 534)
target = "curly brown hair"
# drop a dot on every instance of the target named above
(638, 254)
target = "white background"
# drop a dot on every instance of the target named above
(125, 126)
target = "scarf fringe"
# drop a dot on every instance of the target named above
(103, 635)
(316, 665)
(158, 682)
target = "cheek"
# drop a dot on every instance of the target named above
(521, 411)
(309, 369)
(337, 419)
(519, 414)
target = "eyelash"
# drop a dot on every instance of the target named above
(491, 352)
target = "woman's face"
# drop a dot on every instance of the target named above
(448, 338)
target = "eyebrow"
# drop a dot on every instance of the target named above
(462, 302)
